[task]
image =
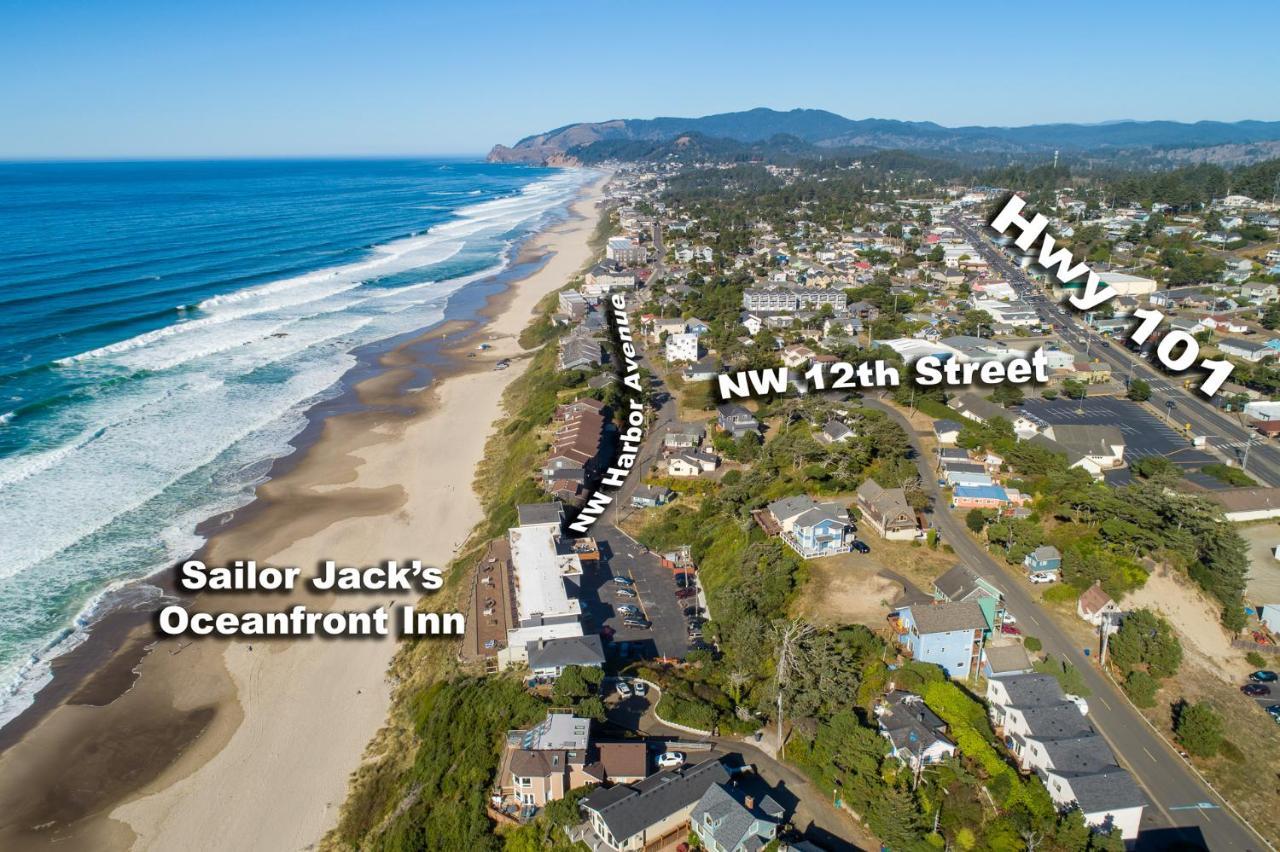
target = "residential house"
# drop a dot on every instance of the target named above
(630, 817)
(812, 529)
(916, 734)
(736, 420)
(549, 657)
(1044, 560)
(1048, 735)
(887, 511)
(946, 431)
(682, 348)
(974, 407)
(727, 819)
(703, 370)
(544, 763)
(979, 497)
(651, 496)
(606, 277)
(683, 436)
(626, 251)
(692, 463)
(1261, 292)
(1241, 505)
(835, 432)
(1225, 323)
(946, 634)
(1245, 349)
(579, 351)
(962, 583)
(1096, 449)
(1096, 607)
(1005, 660)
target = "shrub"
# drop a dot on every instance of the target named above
(1255, 659)
(1032, 644)
(1199, 729)
(1141, 688)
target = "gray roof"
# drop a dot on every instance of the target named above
(910, 724)
(1046, 552)
(1082, 755)
(948, 453)
(540, 513)
(1056, 721)
(566, 651)
(806, 512)
(628, 809)
(1033, 690)
(947, 617)
(835, 430)
(731, 819)
(941, 426)
(1007, 658)
(951, 466)
(958, 583)
(1085, 440)
(1102, 792)
(984, 409)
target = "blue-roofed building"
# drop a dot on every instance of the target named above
(979, 497)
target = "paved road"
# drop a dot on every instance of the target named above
(1169, 782)
(1189, 405)
(809, 809)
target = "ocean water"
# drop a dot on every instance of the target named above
(164, 327)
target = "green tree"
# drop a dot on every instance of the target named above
(1199, 729)
(976, 520)
(1073, 389)
(1146, 640)
(1271, 317)
(1141, 687)
(576, 682)
(1139, 390)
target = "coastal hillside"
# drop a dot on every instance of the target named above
(825, 130)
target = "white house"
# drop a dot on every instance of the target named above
(692, 463)
(682, 347)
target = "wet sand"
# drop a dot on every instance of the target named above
(221, 744)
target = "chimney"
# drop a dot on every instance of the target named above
(749, 802)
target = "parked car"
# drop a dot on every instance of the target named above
(1255, 690)
(683, 580)
(628, 609)
(692, 611)
(1081, 704)
(1042, 577)
(671, 759)
(1263, 676)
(861, 546)
(1010, 630)
(640, 687)
(624, 581)
(624, 689)
(624, 592)
(1274, 710)
(636, 622)
(684, 594)
(1008, 618)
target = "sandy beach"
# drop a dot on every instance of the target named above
(231, 745)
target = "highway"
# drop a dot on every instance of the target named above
(1181, 804)
(1222, 431)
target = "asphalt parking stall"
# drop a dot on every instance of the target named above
(1144, 433)
(655, 589)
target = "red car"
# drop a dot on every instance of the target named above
(681, 594)
(1010, 629)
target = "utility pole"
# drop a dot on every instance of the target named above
(1244, 465)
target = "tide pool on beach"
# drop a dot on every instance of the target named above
(167, 325)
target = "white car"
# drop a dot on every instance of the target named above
(1081, 704)
(640, 687)
(671, 759)
(1042, 577)
(1008, 618)
(624, 689)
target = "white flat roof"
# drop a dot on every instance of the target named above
(540, 571)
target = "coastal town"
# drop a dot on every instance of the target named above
(1033, 615)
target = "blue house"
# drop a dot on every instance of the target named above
(947, 634)
(1045, 559)
(811, 529)
(728, 820)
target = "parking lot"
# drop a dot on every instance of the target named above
(655, 596)
(1144, 433)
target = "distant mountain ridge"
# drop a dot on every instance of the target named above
(824, 129)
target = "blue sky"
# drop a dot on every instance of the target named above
(90, 78)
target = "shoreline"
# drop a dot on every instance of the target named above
(153, 728)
